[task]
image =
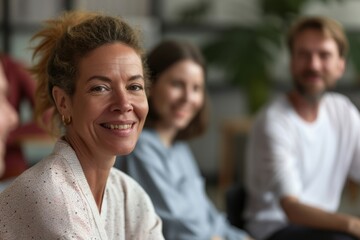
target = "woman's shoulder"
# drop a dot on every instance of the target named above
(148, 146)
(148, 136)
(125, 193)
(50, 169)
(131, 191)
(48, 191)
(118, 179)
(44, 183)
(49, 183)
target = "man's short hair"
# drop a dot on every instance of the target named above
(329, 28)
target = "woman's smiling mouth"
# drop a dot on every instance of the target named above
(117, 126)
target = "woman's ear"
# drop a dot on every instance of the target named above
(62, 101)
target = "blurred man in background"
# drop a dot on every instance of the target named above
(305, 144)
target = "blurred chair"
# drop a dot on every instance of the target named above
(234, 134)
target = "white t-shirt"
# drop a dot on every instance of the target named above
(288, 156)
(53, 200)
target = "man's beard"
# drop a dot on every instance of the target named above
(310, 96)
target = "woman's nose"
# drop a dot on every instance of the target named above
(189, 94)
(121, 102)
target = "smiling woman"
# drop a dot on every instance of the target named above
(91, 74)
(109, 109)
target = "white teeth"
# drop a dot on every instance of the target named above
(115, 126)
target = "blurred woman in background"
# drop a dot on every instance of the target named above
(162, 161)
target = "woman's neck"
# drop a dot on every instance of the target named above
(167, 135)
(97, 179)
(96, 170)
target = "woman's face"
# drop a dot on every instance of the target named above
(8, 117)
(109, 106)
(178, 94)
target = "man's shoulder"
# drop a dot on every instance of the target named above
(341, 109)
(338, 103)
(338, 98)
(278, 108)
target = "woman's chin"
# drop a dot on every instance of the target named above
(181, 124)
(125, 150)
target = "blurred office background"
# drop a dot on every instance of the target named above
(243, 41)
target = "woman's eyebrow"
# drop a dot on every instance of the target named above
(136, 77)
(97, 77)
(106, 79)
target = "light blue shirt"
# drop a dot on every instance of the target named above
(173, 181)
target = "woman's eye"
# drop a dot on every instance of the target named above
(99, 89)
(197, 88)
(176, 83)
(325, 55)
(136, 87)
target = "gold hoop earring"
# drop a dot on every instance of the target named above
(66, 120)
